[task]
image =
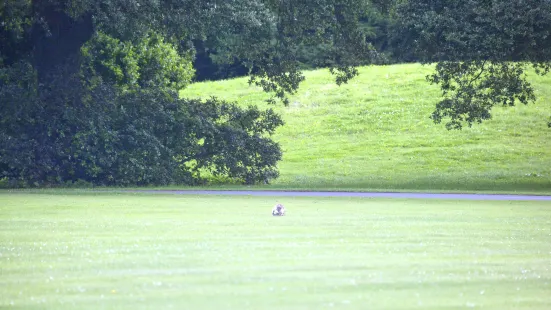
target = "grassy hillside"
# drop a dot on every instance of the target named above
(375, 133)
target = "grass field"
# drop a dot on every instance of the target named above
(123, 251)
(375, 133)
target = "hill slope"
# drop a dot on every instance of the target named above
(375, 133)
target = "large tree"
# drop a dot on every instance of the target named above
(264, 33)
(482, 49)
(89, 88)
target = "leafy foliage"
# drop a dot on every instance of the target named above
(270, 37)
(104, 136)
(471, 89)
(151, 62)
(482, 49)
(83, 99)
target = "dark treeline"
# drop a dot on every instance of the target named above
(89, 88)
(377, 22)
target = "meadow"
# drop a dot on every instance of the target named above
(76, 250)
(375, 134)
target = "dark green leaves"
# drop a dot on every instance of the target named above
(103, 136)
(88, 92)
(482, 48)
(471, 89)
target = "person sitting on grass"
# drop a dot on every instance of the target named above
(278, 210)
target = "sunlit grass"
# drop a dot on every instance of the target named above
(375, 133)
(122, 251)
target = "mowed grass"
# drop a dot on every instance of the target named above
(123, 251)
(375, 133)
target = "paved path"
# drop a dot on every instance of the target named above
(350, 194)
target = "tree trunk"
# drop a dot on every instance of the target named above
(57, 37)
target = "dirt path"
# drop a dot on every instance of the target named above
(350, 194)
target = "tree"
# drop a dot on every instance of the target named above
(70, 130)
(264, 33)
(482, 49)
(89, 88)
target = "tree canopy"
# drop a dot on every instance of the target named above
(482, 49)
(89, 89)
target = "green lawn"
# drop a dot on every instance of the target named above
(123, 251)
(375, 133)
